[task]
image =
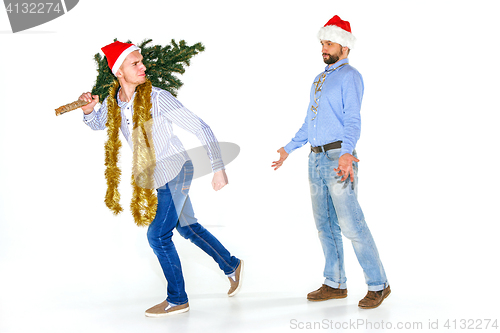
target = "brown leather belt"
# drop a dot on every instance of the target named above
(328, 146)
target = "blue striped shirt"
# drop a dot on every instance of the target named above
(338, 115)
(169, 151)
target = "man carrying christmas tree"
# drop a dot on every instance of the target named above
(145, 115)
(332, 127)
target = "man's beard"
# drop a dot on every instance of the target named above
(332, 58)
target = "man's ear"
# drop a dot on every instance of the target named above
(119, 73)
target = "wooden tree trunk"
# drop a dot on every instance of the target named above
(70, 107)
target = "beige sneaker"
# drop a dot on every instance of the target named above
(164, 309)
(236, 285)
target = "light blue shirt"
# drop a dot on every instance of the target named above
(338, 110)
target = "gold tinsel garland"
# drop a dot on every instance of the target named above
(144, 200)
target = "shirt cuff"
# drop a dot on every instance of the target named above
(289, 148)
(87, 118)
(345, 150)
(217, 165)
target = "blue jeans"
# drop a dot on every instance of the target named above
(336, 211)
(175, 211)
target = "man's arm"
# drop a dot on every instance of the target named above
(352, 95)
(298, 141)
(174, 111)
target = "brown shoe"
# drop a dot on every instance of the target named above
(325, 293)
(236, 285)
(164, 309)
(374, 298)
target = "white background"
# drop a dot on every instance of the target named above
(428, 172)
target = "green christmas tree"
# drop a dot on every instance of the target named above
(162, 63)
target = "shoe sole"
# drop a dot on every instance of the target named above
(375, 306)
(325, 299)
(156, 315)
(241, 280)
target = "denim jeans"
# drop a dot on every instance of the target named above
(336, 211)
(175, 211)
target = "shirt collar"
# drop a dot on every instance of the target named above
(337, 64)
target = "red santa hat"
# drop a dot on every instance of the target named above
(337, 31)
(117, 52)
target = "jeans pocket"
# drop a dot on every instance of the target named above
(188, 177)
(185, 189)
(332, 154)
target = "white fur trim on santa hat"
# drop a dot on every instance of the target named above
(122, 57)
(337, 35)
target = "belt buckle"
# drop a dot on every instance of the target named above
(315, 149)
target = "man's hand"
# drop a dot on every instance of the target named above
(92, 99)
(345, 166)
(219, 180)
(283, 156)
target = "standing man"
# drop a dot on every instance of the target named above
(145, 115)
(332, 127)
